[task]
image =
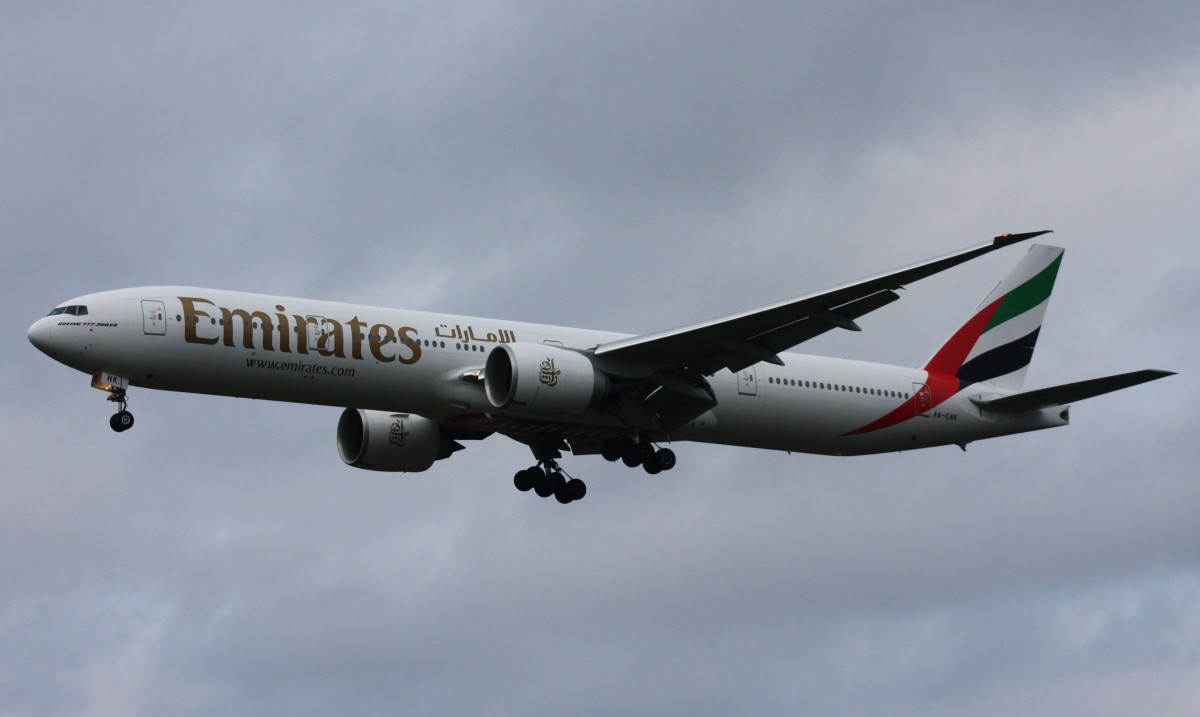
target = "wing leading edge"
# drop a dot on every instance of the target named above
(739, 340)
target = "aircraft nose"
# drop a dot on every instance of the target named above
(39, 335)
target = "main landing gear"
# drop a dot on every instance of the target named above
(547, 479)
(122, 420)
(634, 453)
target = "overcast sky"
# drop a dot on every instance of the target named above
(629, 167)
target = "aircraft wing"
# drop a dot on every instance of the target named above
(739, 340)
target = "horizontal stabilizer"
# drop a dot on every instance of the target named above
(1068, 392)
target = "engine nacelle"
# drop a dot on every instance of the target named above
(383, 441)
(541, 379)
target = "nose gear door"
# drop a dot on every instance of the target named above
(154, 318)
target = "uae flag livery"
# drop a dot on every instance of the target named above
(995, 345)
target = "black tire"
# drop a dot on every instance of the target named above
(645, 451)
(576, 489)
(633, 460)
(611, 449)
(542, 485)
(523, 481)
(652, 467)
(558, 487)
(665, 459)
(121, 421)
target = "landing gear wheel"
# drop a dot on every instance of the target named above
(631, 453)
(576, 489)
(665, 459)
(652, 466)
(121, 421)
(543, 484)
(557, 484)
(548, 479)
(570, 491)
(611, 449)
(645, 451)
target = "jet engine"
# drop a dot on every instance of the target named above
(539, 379)
(383, 441)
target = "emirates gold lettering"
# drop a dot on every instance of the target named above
(331, 333)
(408, 338)
(285, 335)
(191, 319)
(258, 330)
(381, 335)
(251, 321)
(356, 337)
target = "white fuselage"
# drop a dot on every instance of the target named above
(318, 352)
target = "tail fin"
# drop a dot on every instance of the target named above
(997, 343)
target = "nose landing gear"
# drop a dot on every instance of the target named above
(122, 420)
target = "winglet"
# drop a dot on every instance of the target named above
(1006, 239)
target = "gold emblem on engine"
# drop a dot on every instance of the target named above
(548, 374)
(398, 435)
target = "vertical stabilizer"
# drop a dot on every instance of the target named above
(997, 343)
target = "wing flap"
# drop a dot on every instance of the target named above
(767, 345)
(1068, 392)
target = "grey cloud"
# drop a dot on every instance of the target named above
(627, 168)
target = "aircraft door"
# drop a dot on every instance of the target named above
(747, 382)
(318, 330)
(924, 400)
(154, 318)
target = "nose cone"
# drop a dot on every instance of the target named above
(39, 335)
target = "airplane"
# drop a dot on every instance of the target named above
(414, 385)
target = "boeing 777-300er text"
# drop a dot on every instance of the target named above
(415, 384)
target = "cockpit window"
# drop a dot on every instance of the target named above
(76, 310)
